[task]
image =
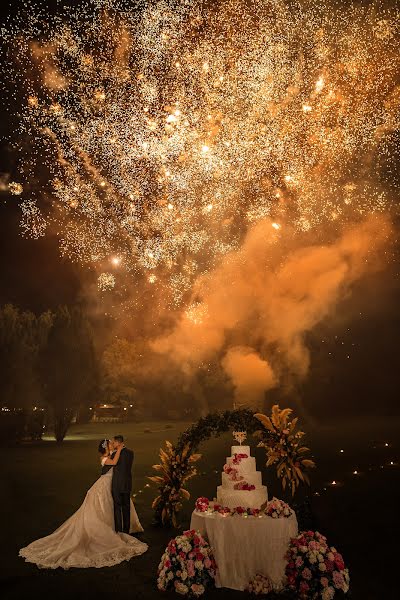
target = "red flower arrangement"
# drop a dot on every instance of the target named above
(315, 570)
(187, 565)
(237, 458)
(202, 504)
(244, 486)
(232, 473)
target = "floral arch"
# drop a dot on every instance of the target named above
(277, 433)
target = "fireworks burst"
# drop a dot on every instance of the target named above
(106, 281)
(170, 128)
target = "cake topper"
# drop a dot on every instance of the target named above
(240, 436)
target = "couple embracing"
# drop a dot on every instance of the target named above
(98, 533)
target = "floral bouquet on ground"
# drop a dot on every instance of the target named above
(278, 509)
(260, 585)
(315, 570)
(187, 565)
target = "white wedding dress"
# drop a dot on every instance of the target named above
(88, 538)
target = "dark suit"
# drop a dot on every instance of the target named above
(121, 490)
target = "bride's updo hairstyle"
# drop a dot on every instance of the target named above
(103, 446)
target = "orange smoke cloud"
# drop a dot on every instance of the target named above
(250, 375)
(257, 305)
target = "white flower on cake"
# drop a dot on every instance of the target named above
(240, 436)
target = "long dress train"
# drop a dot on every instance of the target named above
(87, 538)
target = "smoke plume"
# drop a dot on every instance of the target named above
(252, 312)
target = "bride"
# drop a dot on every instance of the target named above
(87, 538)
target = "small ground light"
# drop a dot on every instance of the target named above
(355, 472)
(333, 482)
(342, 451)
(391, 462)
(386, 444)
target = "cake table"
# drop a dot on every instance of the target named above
(245, 546)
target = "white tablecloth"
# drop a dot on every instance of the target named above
(245, 546)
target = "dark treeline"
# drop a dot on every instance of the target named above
(47, 362)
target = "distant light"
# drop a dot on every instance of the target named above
(170, 206)
(125, 408)
(276, 225)
(386, 444)
(205, 149)
(102, 183)
(115, 260)
(342, 451)
(355, 472)
(307, 108)
(131, 405)
(391, 462)
(333, 482)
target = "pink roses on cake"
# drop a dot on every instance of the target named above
(237, 458)
(244, 486)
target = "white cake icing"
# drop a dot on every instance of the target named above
(245, 472)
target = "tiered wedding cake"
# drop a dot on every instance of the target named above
(241, 483)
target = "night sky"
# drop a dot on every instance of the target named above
(354, 353)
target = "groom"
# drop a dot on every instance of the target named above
(121, 486)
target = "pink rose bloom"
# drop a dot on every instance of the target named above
(167, 564)
(188, 533)
(299, 561)
(304, 587)
(182, 554)
(338, 579)
(339, 564)
(324, 582)
(306, 573)
(329, 566)
(207, 563)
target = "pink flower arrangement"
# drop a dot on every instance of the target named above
(261, 584)
(202, 504)
(243, 485)
(237, 458)
(315, 570)
(187, 565)
(278, 509)
(232, 473)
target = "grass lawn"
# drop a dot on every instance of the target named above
(46, 483)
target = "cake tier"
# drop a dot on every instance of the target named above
(250, 478)
(240, 450)
(234, 498)
(246, 465)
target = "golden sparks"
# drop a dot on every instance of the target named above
(171, 129)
